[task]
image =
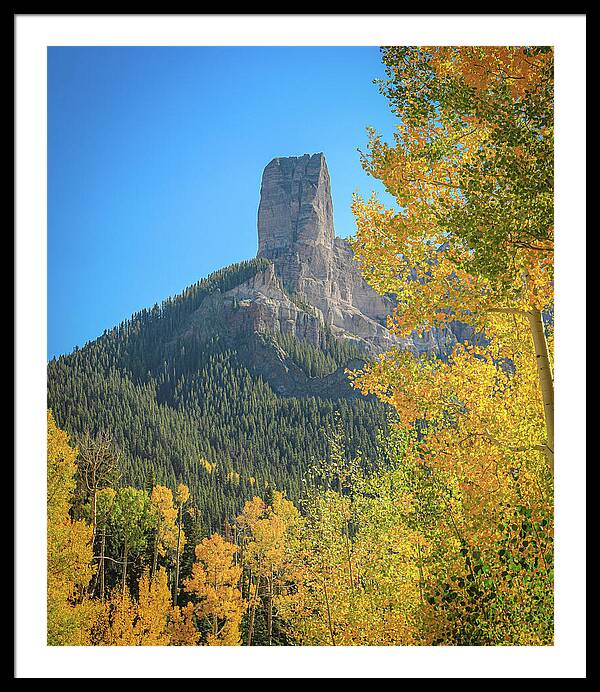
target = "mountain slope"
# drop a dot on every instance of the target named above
(234, 383)
(186, 405)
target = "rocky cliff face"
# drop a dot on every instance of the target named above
(312, 281)
(295, 214)
(295, 232)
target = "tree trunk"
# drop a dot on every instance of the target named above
(253, 611)
(270, 610)
(155, 556)
(545, 378)
(176, 583)
(246, 583)
(102, 549)
(125, 553)
(421, 579)
(329, 623)
(349, 557)
(94, 515)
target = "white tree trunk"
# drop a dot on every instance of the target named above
(546, 379)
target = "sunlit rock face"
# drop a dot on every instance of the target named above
(313, 281)
(295, 214)
(296, 232)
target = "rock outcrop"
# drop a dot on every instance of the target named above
(296, 232)
(295, 215)
(313, 281)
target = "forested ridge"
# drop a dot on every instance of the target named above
(185, 409)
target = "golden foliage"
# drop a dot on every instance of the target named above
(182, 629)
(153, 609)
(166, 517)
(471, 167)
(69, 561)
(214, 584)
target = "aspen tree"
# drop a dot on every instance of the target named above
(183, 495)
(105, 504)
(471, 168)
(131, 521)
(97, 464)
(153, 610)
(69, 544)
(165, 514)
(214, 584)
(182, 629)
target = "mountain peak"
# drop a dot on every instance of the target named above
(314, 268)
(295, 214)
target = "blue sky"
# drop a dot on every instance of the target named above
(155, 157)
